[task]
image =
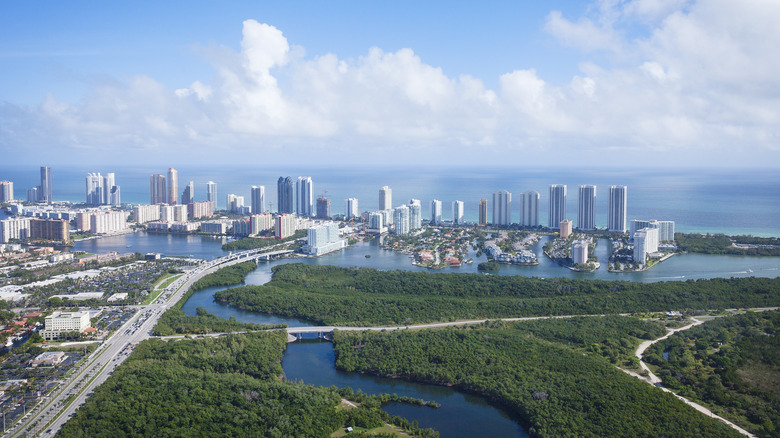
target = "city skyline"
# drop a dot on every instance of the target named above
(585, 81)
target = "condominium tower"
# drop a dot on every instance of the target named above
(188, 195)
(211, 193)
(482, 212)
(457, 212)
(304, 189)
(385, 198)
(435, 212)
(258, 199)
(586, 208)
(617, 212)
(557, 210)
(173, 186)
(502, 208)
(285, 195)
(6, 191)
(351, 208)
(157, 189)
(45, 192)
(529, 209)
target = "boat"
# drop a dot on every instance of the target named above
(749, 271)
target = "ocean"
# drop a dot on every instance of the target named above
(706, 201)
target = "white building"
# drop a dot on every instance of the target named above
(261, 222)
(14, 229)
(415, 214)
(258, 199)
(94, 189)
(401, 220)
(665, 228)
(457, 212)
(61, 322)
(323, 239)
(184, 227)
(579, 252)
(351, 208)
(586, 208)
(529, 209)
(285, 226)
(502, 208)
(557, 207)
(304, 190)
(234, 203)
(107, 222)
(617, 209)
(435, 212)
(211, 193)
(146, 213)
(385, 198)
(6, 191)
(213, 227)
(376, 222)
(645, 242)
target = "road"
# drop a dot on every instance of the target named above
(656, 381)
(56, 408)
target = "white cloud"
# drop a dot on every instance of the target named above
(700, 78)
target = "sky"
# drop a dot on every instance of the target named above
(612, 83)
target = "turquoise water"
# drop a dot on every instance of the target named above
(727, 201)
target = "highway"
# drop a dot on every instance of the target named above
(56, 408)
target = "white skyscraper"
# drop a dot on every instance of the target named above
(645, 242)
(586, 208)
(401, 220)
(415, 214)
(157, 189)
(529, 209)
(618, 202)
(502, 208)
(385, 198)
(94, 189)
(579, 252)
(211, 193)
(557, 210)
(108, 184)
(258, 199)
(457, 212)
(351, 208)
(304, 190)
(435, 212)
(173, 186)
(6, 191)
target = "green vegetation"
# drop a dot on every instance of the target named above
(348, 296)
(731, 364)
(488, 267)
(255, 243)
(722, 244)
(175, 321)
(226, 387)
(550, 389)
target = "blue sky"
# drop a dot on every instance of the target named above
(633, 82)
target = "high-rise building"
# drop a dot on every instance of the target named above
(94, 189)
(502, 208)
(260, 222)
(415, 214)
(234, 203)
(258, 199)
(645, 242)
(323, 239)
(565, 228)
(483, 211)
(529, 209)
(173, 186)
(115, 195)
(188, 195)
(285, 226)
(665, 228)
(557, 210)
(45, 193)
(457, 212)
(198, 210)
(32, 194)
(142, 214)
(285, 194)
(109, 181)
(579, 252)
(351, 208)
(618, 202)
(586, 208)
(401, 220)
(376, 222)
(304, 190)
(385, 198)
(211, 193)
(157, 189)
(323, 208)
(16, 228)
(6, 191)
(435, 212)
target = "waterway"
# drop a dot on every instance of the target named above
(679, 267)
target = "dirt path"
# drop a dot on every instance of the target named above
(655, 381)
